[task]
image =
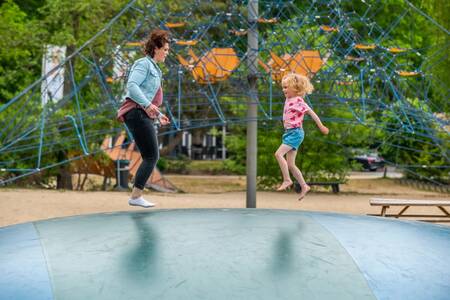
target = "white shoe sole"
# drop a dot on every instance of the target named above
(151, 205)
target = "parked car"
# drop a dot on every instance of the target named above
(370, 161)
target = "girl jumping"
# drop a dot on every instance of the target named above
(295, 88)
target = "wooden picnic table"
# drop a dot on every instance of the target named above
(407, 203)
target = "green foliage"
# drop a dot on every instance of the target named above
(417, 148)
(438, 65)
(72, 23)
(30, 7)
(20, 50)
(162, 164)
(183, 165)
(179, 166)
(212, 167)
(233, 167)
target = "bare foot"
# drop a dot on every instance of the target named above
(305, 189)
(284, 185)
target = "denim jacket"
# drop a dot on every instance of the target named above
(144, 81)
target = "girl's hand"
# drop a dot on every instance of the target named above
(324, 129)
(164, 120)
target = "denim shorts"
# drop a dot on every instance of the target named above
(293, 137)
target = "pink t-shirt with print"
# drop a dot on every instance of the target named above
(294, 111)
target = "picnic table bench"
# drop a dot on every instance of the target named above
(407, 203)
(334, 185)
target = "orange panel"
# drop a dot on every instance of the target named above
(220, 62)
(211, 65)
(215, 65)
(278, 62)
(227, 58)
(270, 21)
(365, 47)
(192, 54)
(238, 32)
(134, 44)
(396, 50)
(184, 62)
(306, 62)
(186, 43)
(278, 65)
(312, 60)
(298, 64)
(201, 75)
(198, 71)
(263, 65)
(407, 73)
(175, 25)
(329, 28)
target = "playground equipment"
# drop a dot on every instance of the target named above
(224, 254)
(215, 65)
(305, 62)
(362, 74)
(127, 154)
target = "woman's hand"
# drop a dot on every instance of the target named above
(324, 129)
(152, 109)
(164, 120)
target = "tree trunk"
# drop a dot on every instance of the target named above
(64, 178)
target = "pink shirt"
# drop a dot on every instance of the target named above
(129, 104)
(294, 111)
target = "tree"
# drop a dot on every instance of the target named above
(20, 50)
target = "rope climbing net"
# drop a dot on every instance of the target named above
(367, 70)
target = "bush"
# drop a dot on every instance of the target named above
(178, 166)
(211, 167)
(184, 165)
(162, 164)
(233, 167)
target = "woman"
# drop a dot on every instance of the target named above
(144, 96)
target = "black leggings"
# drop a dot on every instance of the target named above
(143, 131)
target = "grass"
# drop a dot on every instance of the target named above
(208, 184)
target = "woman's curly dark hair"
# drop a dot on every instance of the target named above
(156, 39)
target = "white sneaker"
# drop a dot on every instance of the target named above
(140, 202)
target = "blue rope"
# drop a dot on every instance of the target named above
(83, 146)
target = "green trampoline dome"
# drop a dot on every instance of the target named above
(224, 254)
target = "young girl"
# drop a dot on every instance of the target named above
(295, 87)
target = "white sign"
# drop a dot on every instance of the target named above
(122, 62)
(52, 88)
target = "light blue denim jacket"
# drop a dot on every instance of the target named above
(144, 81)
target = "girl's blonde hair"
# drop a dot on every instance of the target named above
(300, 83)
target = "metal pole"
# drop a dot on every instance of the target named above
(224, 136)
(252, 102)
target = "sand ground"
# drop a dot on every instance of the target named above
(24, 205)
